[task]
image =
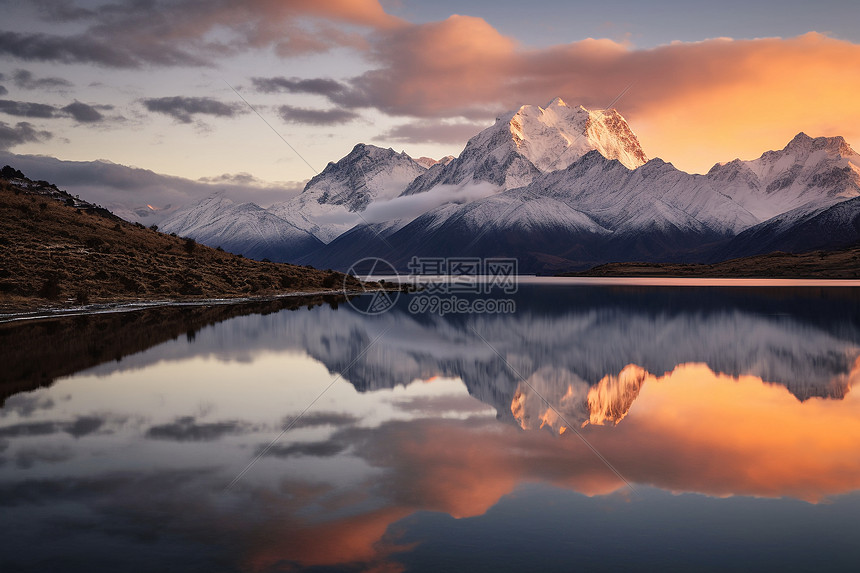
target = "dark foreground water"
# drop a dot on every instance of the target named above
(596, 428)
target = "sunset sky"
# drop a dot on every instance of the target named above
(150, 84)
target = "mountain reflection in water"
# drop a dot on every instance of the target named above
(726, 393)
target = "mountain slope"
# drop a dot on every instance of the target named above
(247, 229)
(327, 205)
(807, 171)
(57, 250)
(596, 211)
(800, 230)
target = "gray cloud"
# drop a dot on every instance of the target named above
(336, 419)
(184, 109)
(27, 109)
(433, 132)
(134, 33)
(307, 116)
(26, 458)
(22, 132)
(62, 10)
(29, 429)
(3, 91)
(25, 79)
(432, 405)
(80, 427)
(187, 429)
(83, 113)
(339, 93)
(127, 190)
(325, 449)
(25, 404)
(319, 86)
(84, 425)
(68, 50)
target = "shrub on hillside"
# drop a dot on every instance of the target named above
(190, 245)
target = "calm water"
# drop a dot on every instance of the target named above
(596, 428)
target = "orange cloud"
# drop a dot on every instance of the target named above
(691, 103)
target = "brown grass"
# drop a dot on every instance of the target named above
(53, 255)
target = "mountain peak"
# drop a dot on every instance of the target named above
(553, 137)
(532, 140)
(802, 143)
(557, 102)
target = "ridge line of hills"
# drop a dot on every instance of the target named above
(57, 250)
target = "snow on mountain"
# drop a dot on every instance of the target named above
(247, 229)
(558, 187)
(822, 227)
(328, 204)
(824, 170)
(534, 140)
(597, 210)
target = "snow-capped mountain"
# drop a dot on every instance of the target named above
(597, 210)
(328, 204)
(247, 229)
(559, 188)
(808, 171)
(534, 140)
(807, 228)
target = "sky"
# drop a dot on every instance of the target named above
(256, 97)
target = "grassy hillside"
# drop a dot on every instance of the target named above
(842, 264)
(56, 250)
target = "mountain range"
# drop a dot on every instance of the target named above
(559, 188)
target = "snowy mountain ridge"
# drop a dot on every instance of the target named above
(597, 210)
(559, 187)
(245, 228)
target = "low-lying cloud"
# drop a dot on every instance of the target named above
(409, 207)
(128, 190)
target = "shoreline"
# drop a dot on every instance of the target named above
(132, 305)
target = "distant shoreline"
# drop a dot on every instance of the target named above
(841, 264)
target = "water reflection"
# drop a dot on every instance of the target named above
(721, 393)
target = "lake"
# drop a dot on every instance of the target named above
(567, 425)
